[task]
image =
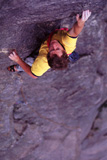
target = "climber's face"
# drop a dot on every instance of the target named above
(55, 48)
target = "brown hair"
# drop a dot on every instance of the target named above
(56, 62)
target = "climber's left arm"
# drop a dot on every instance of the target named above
(78, 26)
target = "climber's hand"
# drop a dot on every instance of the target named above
(85, 15)
(14, 56)
(79, 25)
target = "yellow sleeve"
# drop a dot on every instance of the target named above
(40, 66)
(69, 43)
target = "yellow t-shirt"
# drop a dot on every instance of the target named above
(40, 65)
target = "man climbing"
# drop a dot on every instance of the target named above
(54, 52)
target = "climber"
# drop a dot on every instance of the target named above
(54, 52)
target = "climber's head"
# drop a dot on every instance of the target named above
(57, 57)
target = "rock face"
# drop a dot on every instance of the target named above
(63, 114)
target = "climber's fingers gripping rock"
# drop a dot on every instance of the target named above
(85, 15)
(14, 56)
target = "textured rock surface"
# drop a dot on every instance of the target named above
(61, 115)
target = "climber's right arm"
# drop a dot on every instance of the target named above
(15, 57)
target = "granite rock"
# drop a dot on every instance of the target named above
(61, 115)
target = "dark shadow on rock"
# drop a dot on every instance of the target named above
(41, 33)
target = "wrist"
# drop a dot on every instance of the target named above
(18, 60)
(80, 23)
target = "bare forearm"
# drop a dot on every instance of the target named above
(76, 29)
(25, 67)
(15, 57)
(78, 26)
